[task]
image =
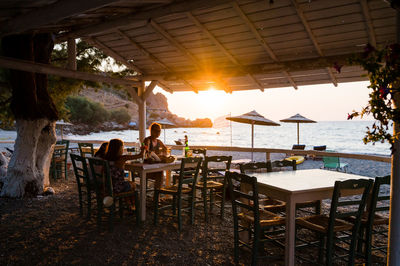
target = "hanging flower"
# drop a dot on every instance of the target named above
(337, 67)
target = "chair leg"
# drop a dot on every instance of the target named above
(137, 209)
(236, 240)
(223, 199)
(179, 212)
(204, 194)
(192, 209)
(89, 203)
(156, 197)
(256, 242)
(80, 201)
(211, 199)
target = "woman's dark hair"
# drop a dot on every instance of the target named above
(101, 152)
(115, 149)
(155, 125)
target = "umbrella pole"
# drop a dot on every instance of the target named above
(252, 140)
(164, 135)
(298, 142)
(62, 137)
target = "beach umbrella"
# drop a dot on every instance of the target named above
(297, 118)
(165, 123)
(62, 123)
(253, 118)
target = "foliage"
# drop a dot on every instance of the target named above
(84, 111)
(383, 67)
(121, 116)
(89, 59)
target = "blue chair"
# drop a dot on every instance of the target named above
(333, 162)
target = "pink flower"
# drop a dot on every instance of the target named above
(337, 67)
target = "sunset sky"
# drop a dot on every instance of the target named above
(317, 102)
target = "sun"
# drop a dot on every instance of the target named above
(214, 101)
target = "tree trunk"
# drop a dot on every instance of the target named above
(35, 114)
(25, 175)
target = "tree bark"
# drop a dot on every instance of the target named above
(35, 114)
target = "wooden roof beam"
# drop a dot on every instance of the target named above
(50, 14)
(149, 55)
(221, 47)
(261, 40)
(149, 89)
(265, 68)
(368, 21)
(143, 15)
(30, 66)
(165, 87)
(303, 19)
(288, 77)
(177, 45)
(93, 41)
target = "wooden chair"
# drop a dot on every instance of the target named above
(210, 182)
(333, 229)
(85, 186)
(274, 205)
(373, 222)
(249, 220)
(185, 186)
(103, 184)
(267, 203)
(58, 165)
(199, 151)
(83, 151)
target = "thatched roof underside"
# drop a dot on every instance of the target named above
(229, 45)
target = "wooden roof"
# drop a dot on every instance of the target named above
(230, 45)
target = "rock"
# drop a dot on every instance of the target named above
(48, 191)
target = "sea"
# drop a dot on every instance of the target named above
(339, 136)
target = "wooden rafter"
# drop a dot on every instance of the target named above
(182, 49)
(149, 89)
(303, 19)
(368, 22)
(143, 15)
(254, 31)
(260, 39)
(288, 77)
(50, 14)
(51, 70)
(71, 47)
(165, 87)
(151, 56)
(265, 68)
(93, 41)
(134, 94)
(221, 47)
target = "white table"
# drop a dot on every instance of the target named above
(143, 169)
(298, 186)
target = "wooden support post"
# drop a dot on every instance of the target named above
(71, 54)
(393, 257)
(142, 113)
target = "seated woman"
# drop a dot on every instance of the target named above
(117, 161)
(101, 152)
(153, 144)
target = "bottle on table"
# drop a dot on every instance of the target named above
(186, 146)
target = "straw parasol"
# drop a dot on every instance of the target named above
(62, 123)
(165, 123)
(297, 118)
(253, 118)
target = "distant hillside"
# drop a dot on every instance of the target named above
(157, 107)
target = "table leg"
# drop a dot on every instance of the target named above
(167, 178)
(143, 195)
(290, 232)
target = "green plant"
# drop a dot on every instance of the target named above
(84, 111)
(120, 116)
(383, 67)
